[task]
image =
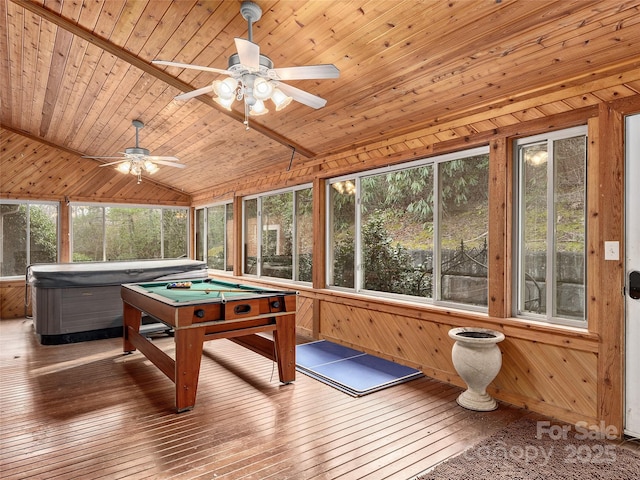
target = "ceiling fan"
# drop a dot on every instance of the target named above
(137, 159)
(253, 78)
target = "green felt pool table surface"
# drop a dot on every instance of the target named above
(205, 291)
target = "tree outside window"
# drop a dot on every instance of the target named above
(108, 233)
(28, 235)
(216, 245)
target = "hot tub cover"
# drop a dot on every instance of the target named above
(60, 275)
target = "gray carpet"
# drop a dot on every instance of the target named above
(515, 453)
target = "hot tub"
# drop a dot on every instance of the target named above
(74, 302)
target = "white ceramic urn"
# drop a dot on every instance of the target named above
(477, 359)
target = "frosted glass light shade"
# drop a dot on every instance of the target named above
(262, 89)
(280, 99)
(258, 108)
(225, 89)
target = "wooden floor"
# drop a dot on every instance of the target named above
(86, 411)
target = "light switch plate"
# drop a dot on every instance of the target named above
(612, 250)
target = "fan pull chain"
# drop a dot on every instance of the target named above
(246, 116)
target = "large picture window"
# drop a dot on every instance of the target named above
(419, 230)
(551, 226)
(216, 246)
(111, 233)
(28, 235)
(278, 234)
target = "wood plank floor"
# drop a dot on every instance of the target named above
(87, 411)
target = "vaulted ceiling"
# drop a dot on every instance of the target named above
(74, 74)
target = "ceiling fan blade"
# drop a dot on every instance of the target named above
(102, 158)
(113, 163)
(248, 53)
(192, 67)
(154, 158)
(166, 162)
(304, 73)
(301, 96)
(194, 93)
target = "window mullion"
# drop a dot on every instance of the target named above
(358, 274)
(104, 234)
(437, 216)
(294, 235)
(28, 234)
(259, 231)
(550, 276)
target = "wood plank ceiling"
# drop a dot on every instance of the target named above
(74, 74)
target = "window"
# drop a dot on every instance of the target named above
(217, 221)
(109, 233)
(419, 230)
(28, 235)
(551, 226)
(278, 234)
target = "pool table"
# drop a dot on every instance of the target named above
(209, 310)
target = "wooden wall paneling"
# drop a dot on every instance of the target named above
(560, 381)
(557, 380)
(304, 315)
(12, 299)
(610, 279)
(499, 229)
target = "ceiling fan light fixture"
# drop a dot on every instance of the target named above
(225, 89)
(280, 99)
(224, 102)
(124, 167)
(150, 167)
(258, 109)
(262, 89)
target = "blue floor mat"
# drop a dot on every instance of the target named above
(351, 371)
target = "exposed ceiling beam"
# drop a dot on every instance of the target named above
(146, 67)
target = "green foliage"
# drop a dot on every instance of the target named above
(344, 258)
(44, 235)
(131, 233)
(42, 238)
(387, 267)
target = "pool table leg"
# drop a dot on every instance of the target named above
(189, 343)
(131, 318)
(284, 338)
